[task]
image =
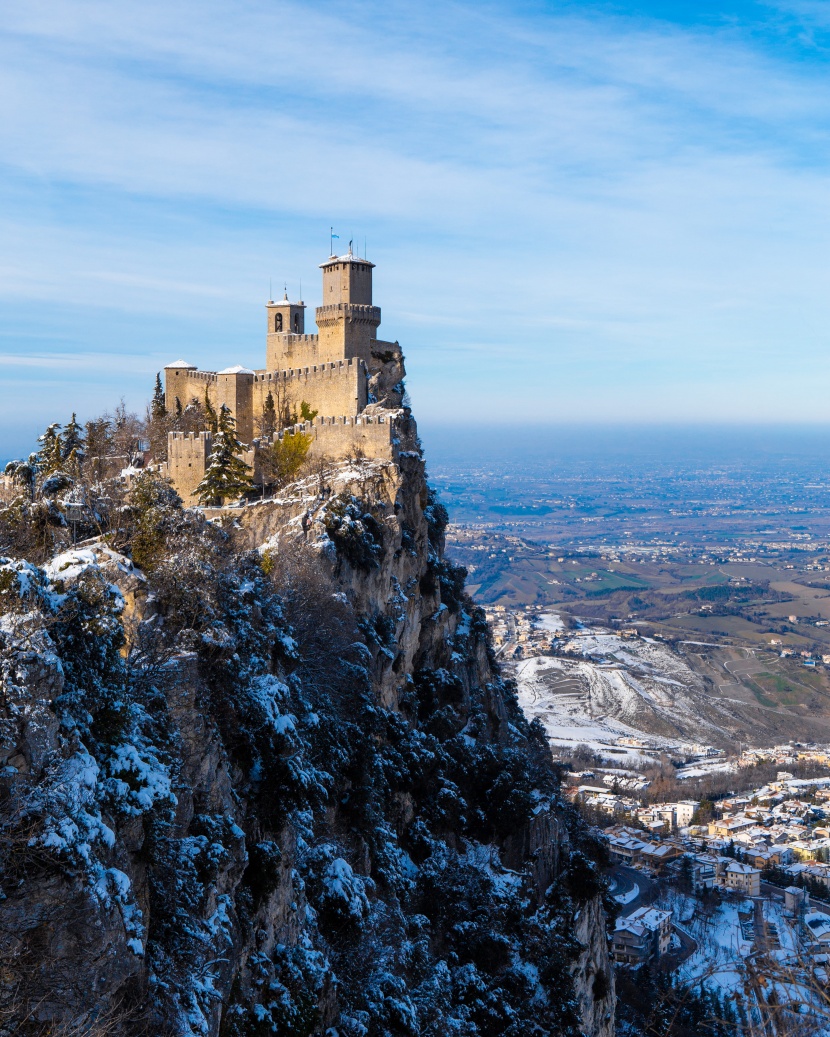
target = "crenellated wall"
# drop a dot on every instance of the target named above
(373, 436)
(348, 329)
(185, 384)
(187, 455)
(283, 351)
(335, 388)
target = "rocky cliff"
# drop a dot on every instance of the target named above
(260, 776)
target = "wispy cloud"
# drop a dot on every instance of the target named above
(560, 188)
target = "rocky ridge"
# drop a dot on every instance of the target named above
(260, 780)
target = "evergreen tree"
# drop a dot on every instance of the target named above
(227, 475)
(158, 406)
(50, 455)
(178, 407)
(210, 415)
(268, 421)
(25, 473)
(73, 446)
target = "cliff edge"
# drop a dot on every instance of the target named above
(260, 775)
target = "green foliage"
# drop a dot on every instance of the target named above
(306, 413)
(50, 455)
(158, 406)
(73, 447)
(268, 421)
(211, 418)
(584, 882)
(227, 475)
(156, 507)
(34, 530)
(282, 461)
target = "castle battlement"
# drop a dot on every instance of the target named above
(316, 370)
(351, 311)
(329, 372)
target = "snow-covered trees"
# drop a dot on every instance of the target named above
(227, 476)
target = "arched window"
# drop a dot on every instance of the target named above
(296, 324)
(278, 322)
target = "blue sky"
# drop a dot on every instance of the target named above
(579, 212)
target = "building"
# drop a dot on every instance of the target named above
(347, 378)
(642, 936)
(795, 899)
(817, 927)
(730, 827)
(702, 870)
(741, 877)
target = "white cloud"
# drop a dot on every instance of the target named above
(536, 192)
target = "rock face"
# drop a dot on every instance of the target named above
(283, 792)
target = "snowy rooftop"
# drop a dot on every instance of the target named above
(181, 363)
(348, 258)
(237, 369)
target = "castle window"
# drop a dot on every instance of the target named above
(278, 322)
(296, 323)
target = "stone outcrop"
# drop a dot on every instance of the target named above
(228, 835)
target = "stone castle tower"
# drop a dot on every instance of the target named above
(344, 373)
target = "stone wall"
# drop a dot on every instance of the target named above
(187, 454)
(339, 388)
(373, 436)
(283, 351)
(184, 384)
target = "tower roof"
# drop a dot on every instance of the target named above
(181, 363)
(349, 257)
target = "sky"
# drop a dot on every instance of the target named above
(580, 212)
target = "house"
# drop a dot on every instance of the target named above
(741, 877)
(729, 827)
(643, 936)
(794, 899)
(624, 847)
(655, 856)
(703, 870)
(817, 927)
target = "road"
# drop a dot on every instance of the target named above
(626, 878)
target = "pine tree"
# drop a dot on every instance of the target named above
(25, 473)
(210, 415)
(178, 407)
(268, 421)
(159, 405)
(73, 446)
(227, 475)
(50, 455)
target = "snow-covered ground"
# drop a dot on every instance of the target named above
(550, 621)
(721, 941)
(699, 770)
(637, 689)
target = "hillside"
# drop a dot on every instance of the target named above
(280, 791)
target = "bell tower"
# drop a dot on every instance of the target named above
(347, 320)
(284, 318)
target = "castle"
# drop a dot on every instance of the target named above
(344, 373)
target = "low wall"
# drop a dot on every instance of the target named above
(373, 436)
